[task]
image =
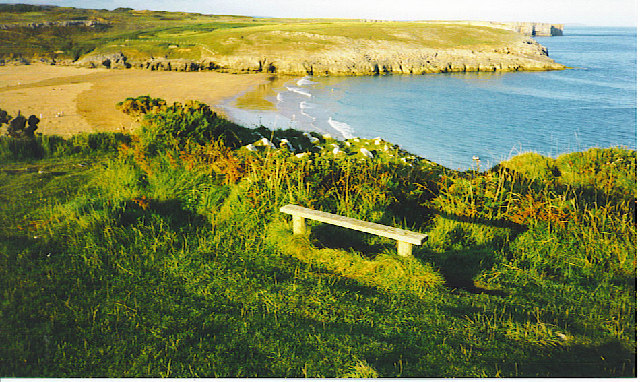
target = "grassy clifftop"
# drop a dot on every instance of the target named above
(163, 254)
(165, 41)
(25, 34)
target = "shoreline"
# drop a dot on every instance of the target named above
(71, 100)
(261, 105)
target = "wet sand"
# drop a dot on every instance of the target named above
(71, 100)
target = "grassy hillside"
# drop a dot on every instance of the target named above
(164, 254)
(144, 34)
(72, 42)
(315, 36)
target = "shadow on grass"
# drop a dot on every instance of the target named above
(172, 210)
(460, 267)
(461, 264)
(608, 360)
(330, 236)
(416, 348)
(236, 330)
(386, 350)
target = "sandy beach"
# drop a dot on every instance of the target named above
(70, 100)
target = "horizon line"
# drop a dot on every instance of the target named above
(570, 24)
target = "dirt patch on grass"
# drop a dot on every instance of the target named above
(71, 100)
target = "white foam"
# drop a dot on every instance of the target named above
(279, 97)
(305, 81)
(306, 105)
(298, 90)
(343, 128)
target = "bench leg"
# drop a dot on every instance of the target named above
(299, 227)
(404, 249)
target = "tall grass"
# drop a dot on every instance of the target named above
(592, 224)
(53, 146)
(176, 262)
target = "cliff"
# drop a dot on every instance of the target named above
(537, 29)
(390, 58)
(353, 49)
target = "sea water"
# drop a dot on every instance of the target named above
(450, 118)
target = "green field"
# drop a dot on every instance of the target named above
(144, 34)
(164, 254)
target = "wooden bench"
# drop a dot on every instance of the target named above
(406, 239)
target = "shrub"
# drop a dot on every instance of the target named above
(21, 127)
(139, 106)
(192, 122)
(4, 117)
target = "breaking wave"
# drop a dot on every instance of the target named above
(299, 91)
(305, 81)
(343, 128)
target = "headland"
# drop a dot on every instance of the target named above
(349, 48)
(175, 41)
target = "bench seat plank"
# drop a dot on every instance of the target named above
(359, 225)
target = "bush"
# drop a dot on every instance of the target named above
(139, 106)
(19, 127)
(192, 122)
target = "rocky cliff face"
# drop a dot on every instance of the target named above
(362, 57)
(537, 29)
(390, 58)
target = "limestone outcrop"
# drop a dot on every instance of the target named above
(109, 61)
(361, 58)
(537, 29)
(120, 61)
(531, 29)
(390, 58)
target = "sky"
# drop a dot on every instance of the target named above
(585, 12)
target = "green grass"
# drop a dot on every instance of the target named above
(278, 38)
(176, 262)
(117, 27)
(142, 35)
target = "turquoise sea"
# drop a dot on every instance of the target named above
(449, 118)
